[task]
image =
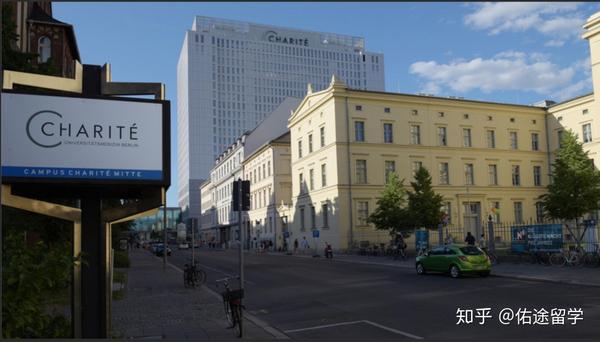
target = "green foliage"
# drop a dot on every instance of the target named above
(16, 60)
(424, 205)
(121, 259)
(391, 213)
(36, 272)
(575, 187)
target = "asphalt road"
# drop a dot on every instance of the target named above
(317, 298)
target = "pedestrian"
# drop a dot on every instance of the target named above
(295, 246)
(470, 239)
(305, 245)
(401, 247)
(271, 245)
(482, 241)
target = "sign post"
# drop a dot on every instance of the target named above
(88, 147)
(241, 202)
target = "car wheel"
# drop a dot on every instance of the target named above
(454, 271)
(484, 274)
(420, 269)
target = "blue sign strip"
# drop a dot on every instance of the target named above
(78, 173)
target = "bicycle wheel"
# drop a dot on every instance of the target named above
(201, 275)
(238, 319)
(557, 259)
(228, 313)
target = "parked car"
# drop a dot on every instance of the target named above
(455, 260)
(160, 250)
(184, 245)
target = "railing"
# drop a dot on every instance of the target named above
(509, 238)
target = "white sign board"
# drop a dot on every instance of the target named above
(60, 137)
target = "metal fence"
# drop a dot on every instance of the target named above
(508, 237)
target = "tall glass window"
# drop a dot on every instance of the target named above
(444, 175)
(362, 212)
(587, 133)
(390, 167)
(415, 134)
(518, 208)
(535, 142)
(491, 138)
(469, 176)
(310, 144)
(388, 134)
(359, 130)
(442, 141)
(537, 175)
(516, 175)
(493, 173)
(322, 129)
(361, 171)
(323, 175)
(467, 137)
(514, 143)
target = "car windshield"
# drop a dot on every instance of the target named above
(471, 250)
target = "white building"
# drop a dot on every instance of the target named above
(219, 221)
(231, 74)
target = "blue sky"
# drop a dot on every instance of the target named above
(505, 52)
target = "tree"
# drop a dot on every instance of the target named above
(575, 187)
(424, 205)
(391, 213)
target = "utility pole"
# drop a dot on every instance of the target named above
(241, 234)
(165, 237)
(193, 239)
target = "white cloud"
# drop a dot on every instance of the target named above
(576, 89)
(508, 70)
(555, 43)
(560, 21)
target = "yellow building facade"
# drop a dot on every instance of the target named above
(481, 155)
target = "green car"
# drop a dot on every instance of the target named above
(456, 260)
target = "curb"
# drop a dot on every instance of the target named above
(544, 280)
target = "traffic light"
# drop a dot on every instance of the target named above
(245, 195)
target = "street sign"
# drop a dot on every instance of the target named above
(58, 138)
(245, 195)
(315, 233)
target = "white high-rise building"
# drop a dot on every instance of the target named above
(231, 74)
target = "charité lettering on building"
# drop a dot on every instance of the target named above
(273, 37)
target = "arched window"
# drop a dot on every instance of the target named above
(44, 49)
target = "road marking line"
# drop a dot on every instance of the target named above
(322, 326)
(395, 331)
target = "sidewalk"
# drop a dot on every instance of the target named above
(156, 305)
(544, 273)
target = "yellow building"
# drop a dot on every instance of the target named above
(481, 155)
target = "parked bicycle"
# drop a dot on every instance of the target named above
(193, 276)
(570, 257)
(232, 303)
(592, 259)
